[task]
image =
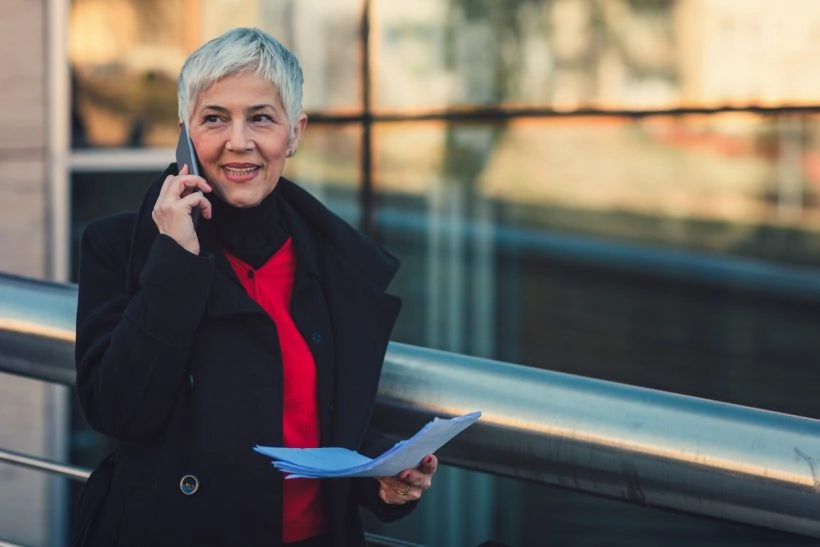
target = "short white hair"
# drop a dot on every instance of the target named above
(236, 51)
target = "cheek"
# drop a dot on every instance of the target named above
(208, 150)
(278, 145)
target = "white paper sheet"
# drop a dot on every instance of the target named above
(341, 462)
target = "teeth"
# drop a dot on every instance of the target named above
(240, 171)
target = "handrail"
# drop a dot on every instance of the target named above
(645, 446)
(42, 464)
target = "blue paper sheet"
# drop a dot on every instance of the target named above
(341, 462)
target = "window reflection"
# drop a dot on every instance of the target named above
(125, 56)
(328, 165)
(613, 54)
(328, 155)
(548, 243)
(706, 182)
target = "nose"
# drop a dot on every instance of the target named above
(239, 138)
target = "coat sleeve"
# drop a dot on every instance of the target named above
(132, 349)
(367, 489)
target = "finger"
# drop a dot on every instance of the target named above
(417, 479)
(205, 207)
(171, 188)
(428, 464)
(390, 490)
(191, 183)
(409, 493)
(196, 200)
(412, 494)
(397, 492)
(167, 182)
(393, 482)
(421, 478)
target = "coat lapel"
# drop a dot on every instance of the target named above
(352, 274)
(362, 317)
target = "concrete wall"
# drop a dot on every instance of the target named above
(28, 513)
(23, 137)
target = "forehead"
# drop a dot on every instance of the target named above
(239, 91)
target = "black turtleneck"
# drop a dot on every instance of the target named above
(252, 234)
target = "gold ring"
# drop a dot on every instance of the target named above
(403, 491)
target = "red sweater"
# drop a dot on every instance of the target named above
(271, 286)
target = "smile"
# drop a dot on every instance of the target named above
(240, 170)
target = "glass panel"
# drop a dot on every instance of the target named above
(324, 35)
(722, 183)
(549, 243)
(575, 54)
(328, 165)
(94, 195)
(125, 57)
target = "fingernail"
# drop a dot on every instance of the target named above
(405, 475)
(428, 460)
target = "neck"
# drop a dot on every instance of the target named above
(253, 233)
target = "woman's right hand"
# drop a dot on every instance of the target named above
(178, 197)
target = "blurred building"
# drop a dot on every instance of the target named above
(536, 164)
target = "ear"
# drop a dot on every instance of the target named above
(298, 131)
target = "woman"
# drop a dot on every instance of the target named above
(265, 323)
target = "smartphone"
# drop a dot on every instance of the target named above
(187, 156)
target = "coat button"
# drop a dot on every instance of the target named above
(316, 337)
(189, 484)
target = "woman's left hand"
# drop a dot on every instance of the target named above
(410, 484)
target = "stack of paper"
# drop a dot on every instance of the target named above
(341, 462)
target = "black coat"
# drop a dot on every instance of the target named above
(179, 365)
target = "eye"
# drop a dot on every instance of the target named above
(261, 118)
(211, 118)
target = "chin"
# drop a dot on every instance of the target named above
(242, 200)
(244, 203)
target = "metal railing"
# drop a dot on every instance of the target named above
(644, 446)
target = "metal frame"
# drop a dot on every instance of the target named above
(58, 105)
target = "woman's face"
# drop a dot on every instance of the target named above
(241, 134)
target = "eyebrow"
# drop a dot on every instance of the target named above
(261, 107)
(254, 108)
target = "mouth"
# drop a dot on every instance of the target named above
(240, 170)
